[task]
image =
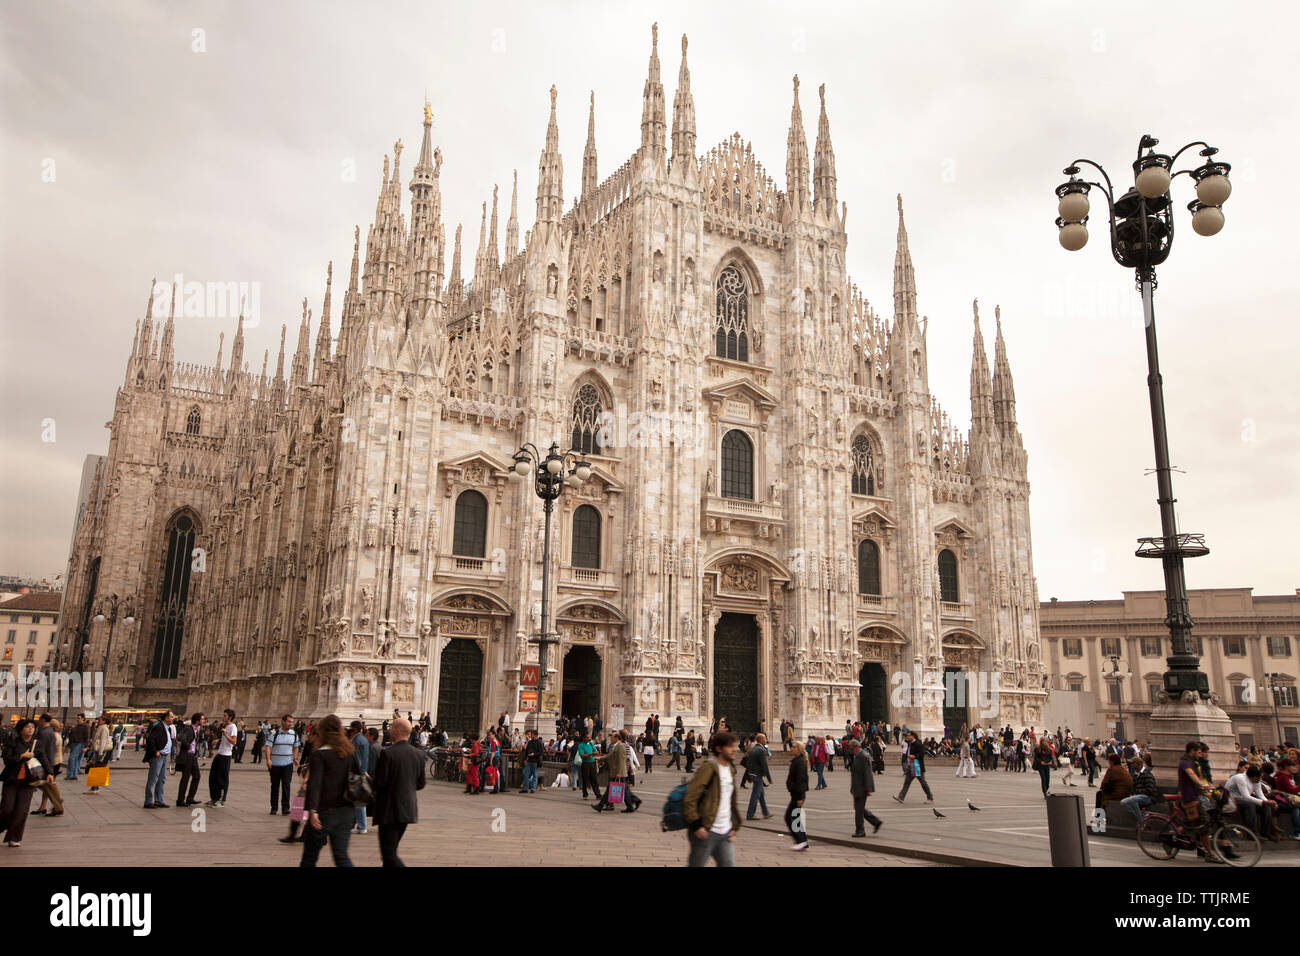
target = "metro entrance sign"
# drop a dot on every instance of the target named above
(529, 674)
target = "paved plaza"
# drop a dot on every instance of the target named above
(559, 828)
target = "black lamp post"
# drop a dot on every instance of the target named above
(111, 607)
(1141, 236)
(1118, 677)
(1274, 688)
(548, 481)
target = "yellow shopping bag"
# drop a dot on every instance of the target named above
(97, 777)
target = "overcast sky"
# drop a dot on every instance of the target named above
(134, 147)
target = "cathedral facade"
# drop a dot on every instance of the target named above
(780, 522)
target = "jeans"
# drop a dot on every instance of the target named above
(796, 819)
(1045, 775)
(860, 813)
(1135, 803)
(907, 782)
(674, 760)
(74, 761)
(153, 788)
(715, 845)
(336, 825)
(821, 777)
(757, 797)
(390, 834)
(1258, 818)
(530, 779)
(219, 778)
(281, 781)
(359, 817)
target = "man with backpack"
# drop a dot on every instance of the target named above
(709, 805)
(282, 751)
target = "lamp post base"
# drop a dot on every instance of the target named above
(1176, 722)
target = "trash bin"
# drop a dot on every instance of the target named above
(1067, 830)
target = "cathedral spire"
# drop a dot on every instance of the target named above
(480, 257)
(237, 349)
(512, 224)
(796, 157)
(425, 163)
(1004, 392)
(981, 387)
(279, 362)
(221, 350)
(550, 173)
(653, 124)
(453, 277)
(683, 115)
(824, 164)
(169, 331)
(904, 277)
(323, 334)
(146, 327)
(301, 354)
(493, 255)
(589, 178)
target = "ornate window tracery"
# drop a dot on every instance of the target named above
(732, 315)
(193, 422)
(864, 470)
(170, 631)
(587, 412)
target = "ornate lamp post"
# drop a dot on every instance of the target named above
(548, 481)
(1275, 688)
(128, 619)
(1118, 676)
(1141, 237)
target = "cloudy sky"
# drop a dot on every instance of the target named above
(242, 141)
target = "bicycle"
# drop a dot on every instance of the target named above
(1162, 835)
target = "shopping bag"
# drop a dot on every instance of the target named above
(97, 777)
(616, 791)
(298, 808)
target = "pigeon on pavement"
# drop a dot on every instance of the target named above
(937, 813)
(972, 806)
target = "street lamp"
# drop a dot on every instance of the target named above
(1141, 236)
(548, 481)
(1275, 688)
(128, 619)
(1114, 674)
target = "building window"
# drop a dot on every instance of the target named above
(1241, 690)
(31, 654)
(1072, 647)
(868, 567)
(36, 619)
(1113, 688)
(1197, 647)
(1150, 647)
(948, 591)
(1292, 735)
(586, 537)
(864, 473)
(1279, 646)
(1234, 647)
(31, 637)
(732, 316)
(586, 421)
(1153, 693)
(1076, 685)
(1110, 647)
(13, 618)
(193, 421)
(13, 636)
(470, 536)
(737, 465)
(1284, 695)
(174, 595)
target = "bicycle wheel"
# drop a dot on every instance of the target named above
(1241, 841)
(1157, 837)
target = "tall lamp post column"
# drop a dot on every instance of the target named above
(1141, 237)
(1275, 688)
(548, 481)
(1118, 677)
(112, 609)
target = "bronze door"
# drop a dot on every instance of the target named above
(459, 686)
(735, 672)
(873, 695)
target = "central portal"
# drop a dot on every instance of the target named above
(581, 688)
(735, 672)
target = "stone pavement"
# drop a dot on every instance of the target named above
(552, 828)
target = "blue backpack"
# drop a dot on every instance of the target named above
(674, 817)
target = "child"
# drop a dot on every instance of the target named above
(561, 781)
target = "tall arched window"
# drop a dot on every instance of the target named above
(470, 536)
(586, 421)
(586, 537)
(868, 567)
(193, 422)
(948, 577)
(864, 472)
(174, 593)
(737, 465)
(732, 316)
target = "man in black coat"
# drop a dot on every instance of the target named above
(398, 775)
(861, 785)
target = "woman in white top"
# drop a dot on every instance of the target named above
(649, 750)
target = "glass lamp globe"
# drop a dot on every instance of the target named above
(1153, 181)
(522, 467)
(513, 476)
(1074, 236)
(99, 618)
(554, 465)
(1207, 220)
(1073, 207)
(1214, 190)
(128, 620)
(572, 480)
(584, 471)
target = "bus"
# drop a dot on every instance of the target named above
(130, 717)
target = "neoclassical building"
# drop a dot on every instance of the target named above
(780, 521)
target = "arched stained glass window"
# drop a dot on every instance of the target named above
(193, 422)
(732, 316)
(587, 411)
(948, 577)
(586, 537)
(868, 567)
(737, 465)
(864, 472)
(470, 537)
(174, 593)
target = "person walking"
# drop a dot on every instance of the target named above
(361, 758)
(49, 735)
(914, 767)
(710, 809)
(819, 761)
(689, 746)
(534, 753)
(586, 751)
(283, 751)
(219, 772)
(965, 766)
(796, 784)
(101, 746)
(399, 773)
(78, 737)
(758, 772)
(617, 761)
(861, 786)
(674, 751)
(1043, 759)
(648, 749)
(187, 760)
(19, 776)
(157, 747)
(329, 811)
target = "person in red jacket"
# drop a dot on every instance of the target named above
(472, 754)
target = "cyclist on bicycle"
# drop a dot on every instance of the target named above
(1192, 788)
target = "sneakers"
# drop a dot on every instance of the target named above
(897, 798)
(800, 846)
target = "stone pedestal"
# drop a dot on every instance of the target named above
(1176, 722)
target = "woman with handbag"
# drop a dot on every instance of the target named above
(25, 766)
(796, 784)
(330, 814)
(296, 818)
(49, 786)
(1043, 760)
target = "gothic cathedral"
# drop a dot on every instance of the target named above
(780, 522)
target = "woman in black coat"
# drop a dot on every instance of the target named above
(329, 812)
(796, 782)
(16, 800)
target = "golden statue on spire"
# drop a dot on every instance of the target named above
(428, 114)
